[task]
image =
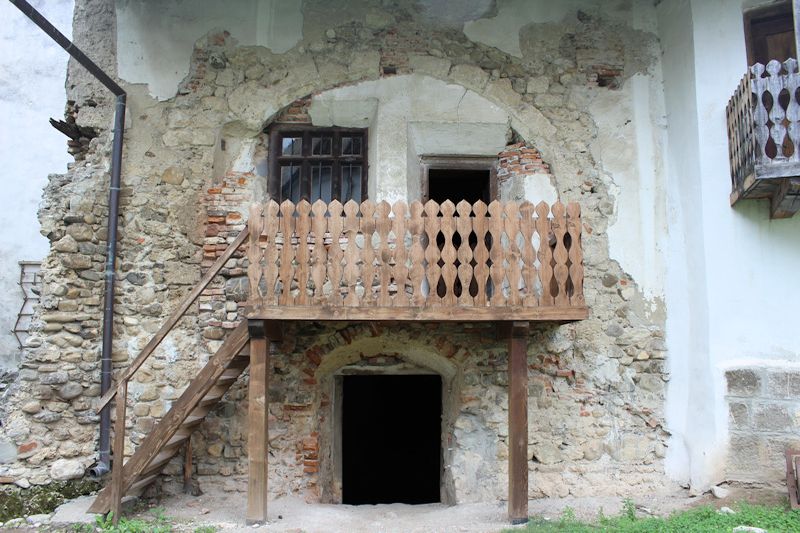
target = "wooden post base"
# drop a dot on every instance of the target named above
(518, 422)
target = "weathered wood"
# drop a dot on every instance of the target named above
(448, 253)
(400, 268)
(319, 255)
(175, 316)
(465, 272)
(431, 314)
(476, 257)
(786, 199)
(497, 271)
(286, 270)
(763, 117)
(518, 422)
(187, 467)
(513, 255)
(385, 252)
(560, 255)
(179, 415)
(303, 229)
(432, 254)
(481, 228)
(367, 227)
(528, 228)
(257, 424)
(417, 255)
(575, 254)
(351, 254)
(117, 472)
(336, 252)
(273, 248)
(545, 255)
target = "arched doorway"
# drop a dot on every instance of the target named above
(384, 434)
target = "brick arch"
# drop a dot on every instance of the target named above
(256, 107)
(360, 341)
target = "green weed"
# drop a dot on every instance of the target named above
(706, 519)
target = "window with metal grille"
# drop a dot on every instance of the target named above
(317, 164)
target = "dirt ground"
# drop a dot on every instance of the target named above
(225, 511)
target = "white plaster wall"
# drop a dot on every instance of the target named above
(502, 29)
(32, 71)
(729, 290)
(412, 116)
(173, 26)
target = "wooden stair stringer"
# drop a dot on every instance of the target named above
(185, 415)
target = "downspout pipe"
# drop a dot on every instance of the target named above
(104, 442)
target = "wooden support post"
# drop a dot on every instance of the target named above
(187, 467)
(257, 422)
(117, 472)
(518, 422)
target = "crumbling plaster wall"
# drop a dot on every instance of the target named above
(596, 386)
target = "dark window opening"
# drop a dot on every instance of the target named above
(458, 184)
(391, 439)
(769, 34)
(313, 164)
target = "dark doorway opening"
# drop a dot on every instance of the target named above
(391, 439)
(458, 184)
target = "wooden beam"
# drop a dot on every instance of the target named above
(187, 467)
(117, 471)
(786, 198)
(518, 422)
(258, 427)
(429, 314)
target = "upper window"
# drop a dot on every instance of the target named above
(769, 33)
(318, 164)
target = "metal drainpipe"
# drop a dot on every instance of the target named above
(104, 442)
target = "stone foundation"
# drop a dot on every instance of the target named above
(764, 421)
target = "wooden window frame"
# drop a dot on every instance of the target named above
(305, 159)
(761, 13)
(457, 162)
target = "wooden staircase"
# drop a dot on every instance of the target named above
(177, 426)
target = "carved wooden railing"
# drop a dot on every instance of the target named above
(504, 261)
(764, 132)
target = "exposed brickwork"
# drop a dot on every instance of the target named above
(520, 160)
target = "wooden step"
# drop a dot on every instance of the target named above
(164, 441)
(142, 484)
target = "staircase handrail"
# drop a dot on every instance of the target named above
(173, 319)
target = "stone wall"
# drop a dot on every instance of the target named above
(192, 166)
(764, 421)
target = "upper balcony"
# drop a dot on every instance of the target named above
(374, 261)
(764, 137)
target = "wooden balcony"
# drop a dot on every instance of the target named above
(502, 262)
(764, 137)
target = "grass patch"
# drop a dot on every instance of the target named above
(16, 502)
(157, 522)
(705, 519)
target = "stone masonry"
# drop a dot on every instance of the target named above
(764, 421)
(194, 163)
